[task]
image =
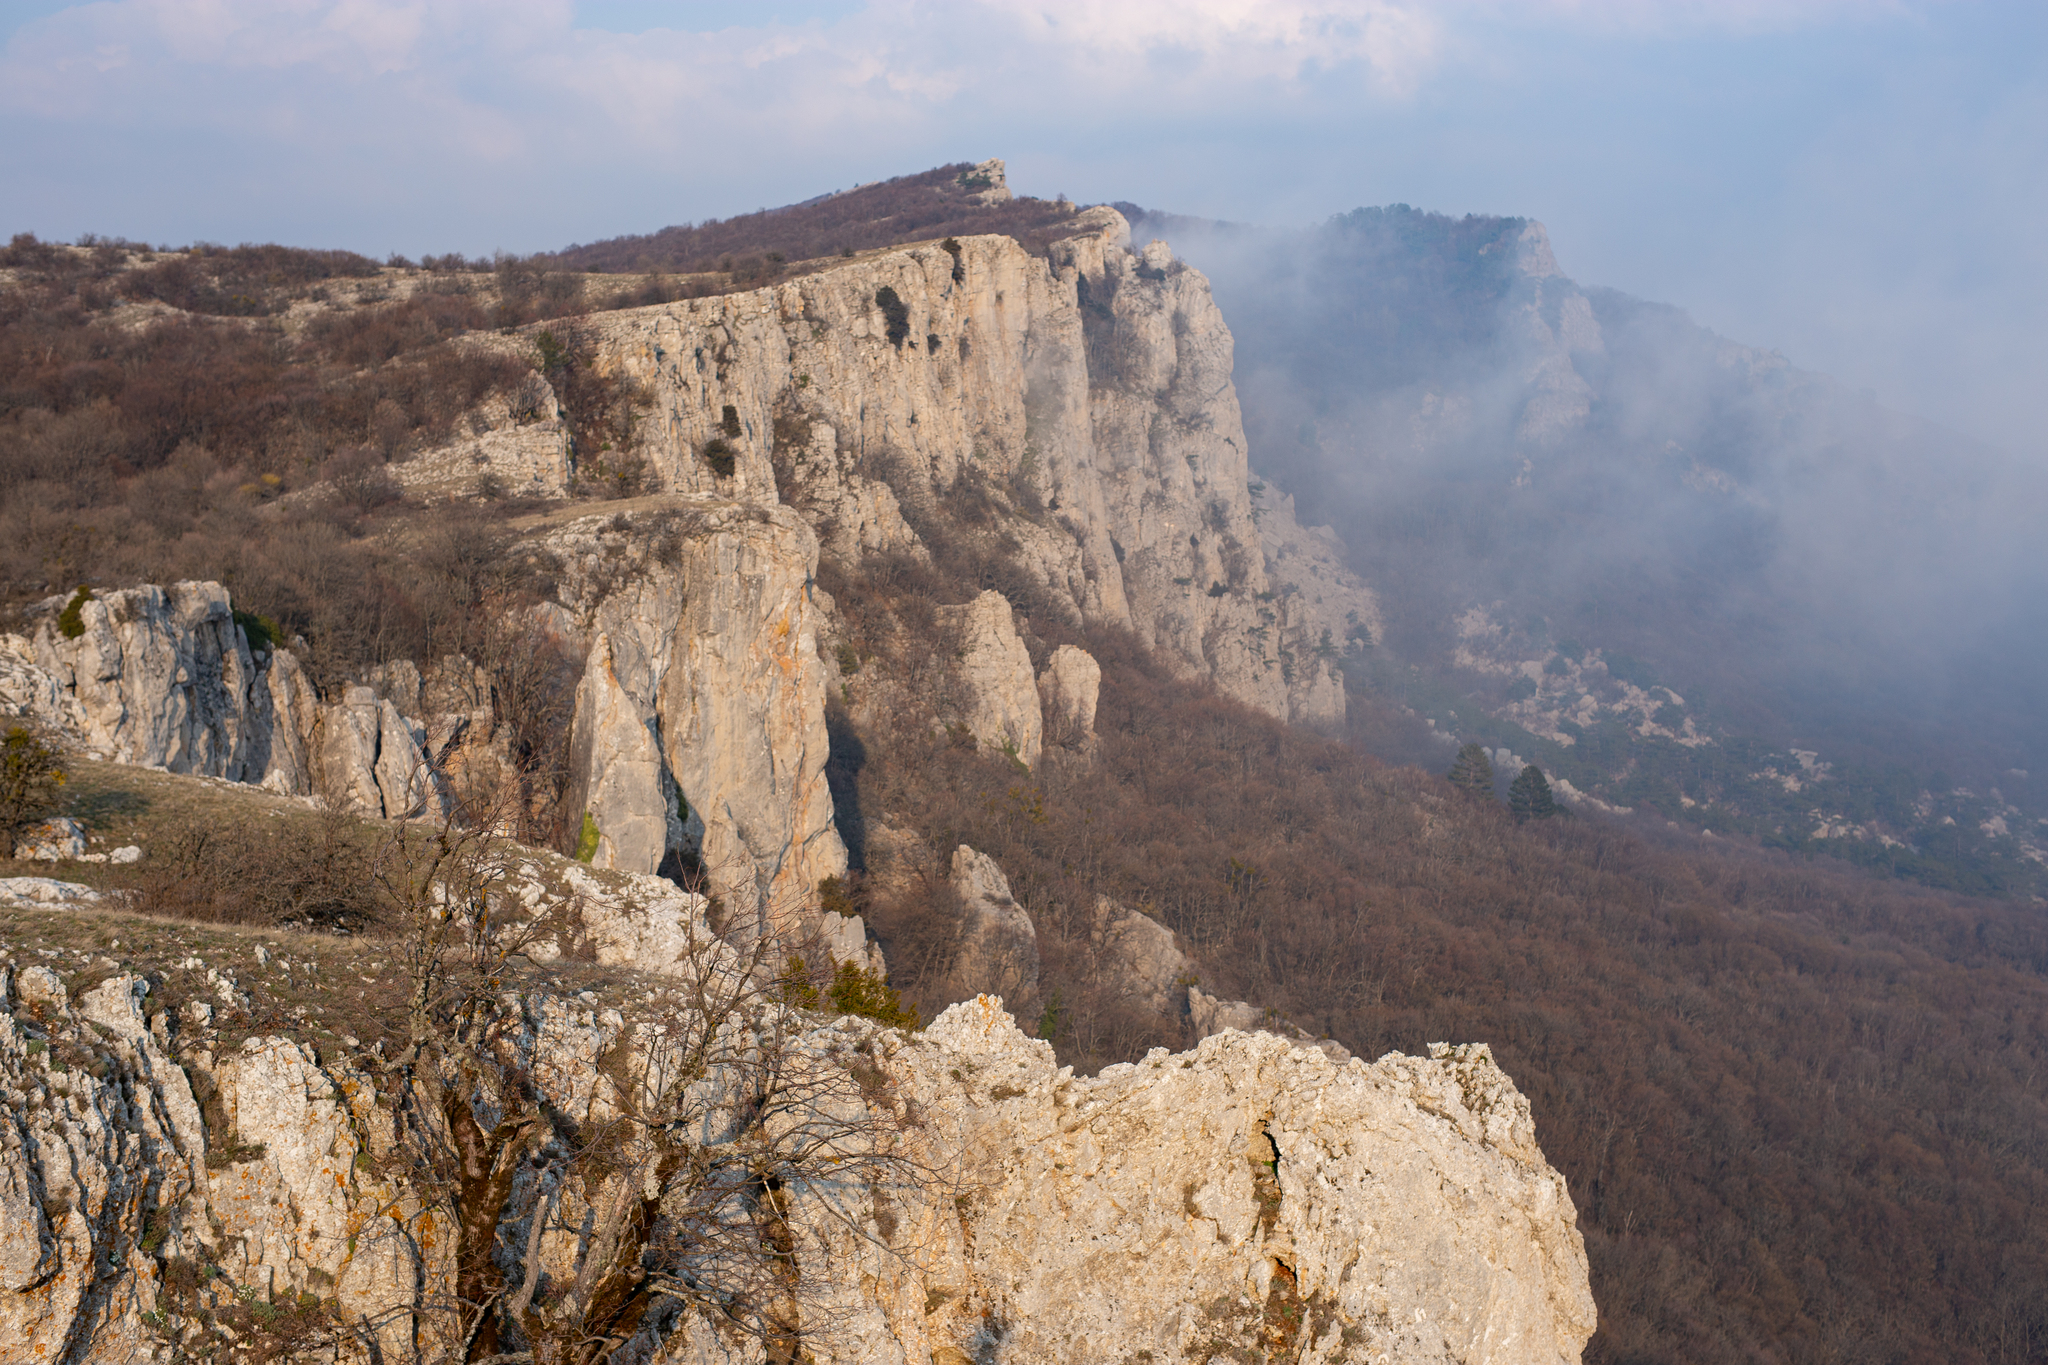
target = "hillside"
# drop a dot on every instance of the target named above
(921, 610)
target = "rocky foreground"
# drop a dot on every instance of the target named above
(1249, 1199)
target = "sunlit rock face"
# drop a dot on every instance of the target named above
(700, 717)
(1090, 389)
(1247, 1196)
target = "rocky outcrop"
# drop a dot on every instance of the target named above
(1246, 1196)
(997, 947)
(1139, 954)
(163, 676)
(1068, 689)
(700, 730)
(1250, 1195)
(369, 757)
(1211, 1016)
(1088, 393)
(516, 445)
(51, 841)
(81, 1165)
(997, 699)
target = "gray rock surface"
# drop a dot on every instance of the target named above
(997, 949)
(711, 651)
(52, 841)
(161, 676)
(1069, 689)
(997, 698)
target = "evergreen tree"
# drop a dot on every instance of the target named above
(1529, 795)
(1473, 772)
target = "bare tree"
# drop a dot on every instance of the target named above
(721, 1140)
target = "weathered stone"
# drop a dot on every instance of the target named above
(998, 700)
(1139, 955)
(1210, 1016)
(45, 891)
(1247, 1195)
(27, 692)
(52, 841)
(41, 987)
(162, 676)
(1069, 687)
(997, 947)
(625, 790)
(713, 645)
(516, 445)
(1186, 1202)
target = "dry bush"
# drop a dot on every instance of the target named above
(291, 871)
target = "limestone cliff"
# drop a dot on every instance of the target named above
(165, 677)
(1093, 386)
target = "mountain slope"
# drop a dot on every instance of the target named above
(1660, 563)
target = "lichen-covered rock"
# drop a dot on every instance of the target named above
(51, 841)
(998, 699)
(997, 948)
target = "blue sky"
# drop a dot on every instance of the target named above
(1860, 185)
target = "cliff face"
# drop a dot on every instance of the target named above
(1247, 1195)
(700, 719)
(1093, 386)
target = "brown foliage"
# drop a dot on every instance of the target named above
(910, 208)
(307, 872)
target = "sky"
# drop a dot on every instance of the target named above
(1860, 184)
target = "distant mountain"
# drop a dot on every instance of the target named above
(1679, 571)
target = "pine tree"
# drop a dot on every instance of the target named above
(1473, 772)
(1529, 795)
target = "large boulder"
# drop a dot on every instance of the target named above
(997, 948)
(1069, 687)
(998, 697)
(1138, 954)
